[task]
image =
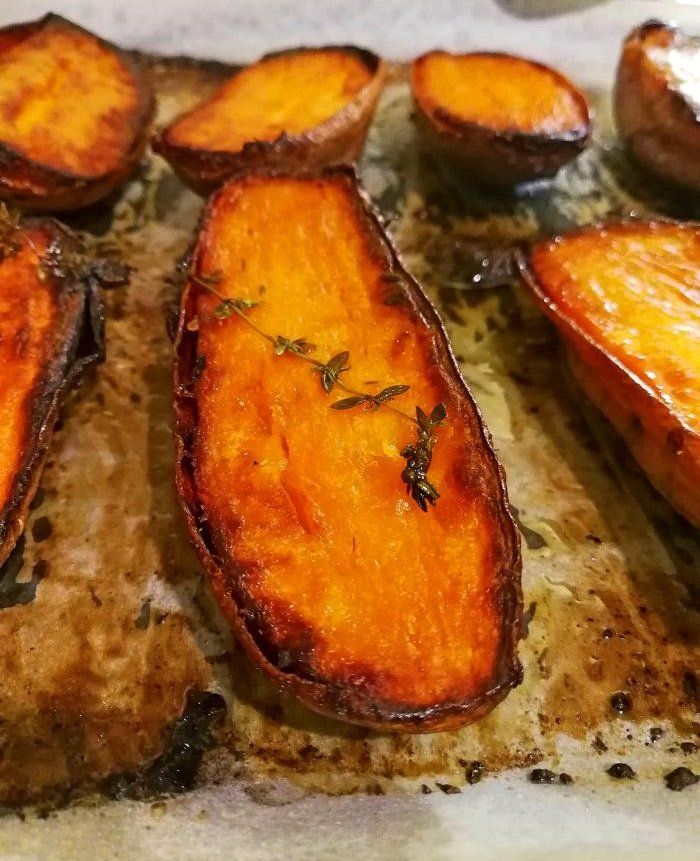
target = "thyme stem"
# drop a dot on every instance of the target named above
(418, 455)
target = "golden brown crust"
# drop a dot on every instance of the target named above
(70, 342)
(494, 156)
(663, 443)
(354, 702)
(338, 140)
(657, 121)
(33, 185)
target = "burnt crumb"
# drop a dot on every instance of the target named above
(39, 498)
(688, 747)
(448, 788)
(598, 743)
(542, 776)
(474, 771)
(176, 770)
(608, 633)
(41, 529)
(680, 778)
(594, 538)
(143, 619)
(621, 702)
(565, 779)
(425, 789)
(309, 751)
(655, 733)
(135, 397)
(13, 593)
(621, 771)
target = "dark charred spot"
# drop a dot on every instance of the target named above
(621, 771)
(688, 747)
(621, 702)
(565, 779)
(655, 733)
(542, 776)
(143, 619)
(448, 788)
(176, 770)
(598, 743)
(608, 633)
(425, 789)
(533, 540)
(13, 593)
(41, 529)
(474, 771)
(680, 778)
(39, 498)
(594, 538)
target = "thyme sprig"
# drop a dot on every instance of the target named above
(418, 455)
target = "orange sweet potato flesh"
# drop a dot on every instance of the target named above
(74, 115)
(657, 101)
(335, 582)
(503, 118)
(50, 330)
(296, 110)
(626, 299)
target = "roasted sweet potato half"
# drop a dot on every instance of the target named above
(293, 463)
(295, 110)
(503, 119)
(50, 330)
(74, 115)
(657, 101)
(626, 300)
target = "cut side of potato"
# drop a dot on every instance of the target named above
(626, 299)
(294, 487)
(657, 101)
(74, 115)
(295, 110)
(503, 119)
(50, 330)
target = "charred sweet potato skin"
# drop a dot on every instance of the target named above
(93, 133)
(648, 386)
(51, 329)
(472, 621)
(336, 140)
(527, 146)
(657, 118)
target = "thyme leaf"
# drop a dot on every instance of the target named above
(299, 346)
(331, 371)
(227, 307)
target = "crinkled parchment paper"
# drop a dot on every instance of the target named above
(95, 669)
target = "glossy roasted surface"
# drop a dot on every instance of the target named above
(497, 91)
(635, 290)
(290, 93)
(67, 100)
(409, 611)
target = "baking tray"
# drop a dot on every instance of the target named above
(118, 624)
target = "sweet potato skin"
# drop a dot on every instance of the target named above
(658, 124)
(662, 441)
(30, 183)
(500, 158)
(338, 140)
(351, 700)
(51, 330)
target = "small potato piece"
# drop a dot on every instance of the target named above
(503, 119)
(50, 330)
(335, 582)
(657, 101)
(74, 115)
(626, 299)
(295, 110)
